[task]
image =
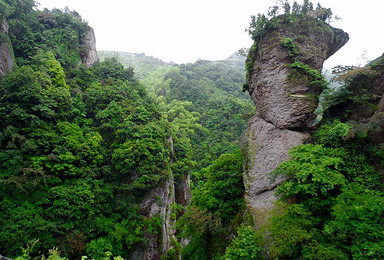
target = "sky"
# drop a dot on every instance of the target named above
(184, 31)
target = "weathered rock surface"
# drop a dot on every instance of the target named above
(7, 59)
(366, 85)
(366, 110)
(183, 191)
(159, 202)
(285, 103)
(89, 56)
(267, 146)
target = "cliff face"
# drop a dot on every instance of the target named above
(285, 99)
(160, 202)
(89, 55)
(7, 58)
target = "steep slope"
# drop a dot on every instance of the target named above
(90, 171)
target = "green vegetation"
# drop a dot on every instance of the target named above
(81, 147)
(207, 95)
(337, 194)
(78, 147)
(69, 150)
(291, 47)
(278, 15)
(215, 203)
(313, 78)
(244, 246)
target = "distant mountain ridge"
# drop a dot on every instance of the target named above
(143, 64)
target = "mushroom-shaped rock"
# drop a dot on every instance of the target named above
(285, 73)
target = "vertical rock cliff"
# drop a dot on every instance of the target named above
(88, 42)
(160, 202)
(283, 81)
(7, 58)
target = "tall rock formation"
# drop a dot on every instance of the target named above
(7, 58)
(159, 202)
(283, 83)
(89, 55)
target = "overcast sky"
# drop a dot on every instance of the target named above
(186, 30)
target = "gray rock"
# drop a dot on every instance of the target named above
(159, 202)
(285, 102)
(4, 26)
(7, 58)
(183, 191)
(265, 146)
(89, 56)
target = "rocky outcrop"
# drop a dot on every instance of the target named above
(183, 191)
(158, 202)
(289, 102)
(89, 54)
(267, 146)
(285, 102)
(7, 58)
(362, 104)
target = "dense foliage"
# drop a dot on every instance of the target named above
(68, 151)
(73, 140)
(337, 196)
(80, 147)
(215, 203)
(213, 90)
(244, 247)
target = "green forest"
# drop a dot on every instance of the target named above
(135, 158)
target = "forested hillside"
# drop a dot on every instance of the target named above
(208, 92)
(89, 154)
(130, 157)
(141, 63)
(78, 146)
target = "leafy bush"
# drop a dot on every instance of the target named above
(331, 201)
(213, 205)
(244, 246)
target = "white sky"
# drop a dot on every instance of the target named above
(186, 30)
